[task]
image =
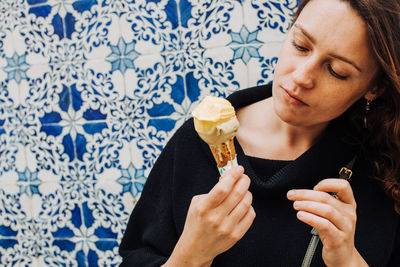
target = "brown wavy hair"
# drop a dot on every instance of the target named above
(381, 141)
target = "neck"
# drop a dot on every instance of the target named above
(294, 137)
(263, 134)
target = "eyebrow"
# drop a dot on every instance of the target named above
(312, 40)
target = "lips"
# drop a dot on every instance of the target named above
(292, 98)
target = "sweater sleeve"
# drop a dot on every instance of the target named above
(150, 236)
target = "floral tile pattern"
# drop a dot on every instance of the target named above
(91, 91)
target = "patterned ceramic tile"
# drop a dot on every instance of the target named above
(270, 18)
(216, 71)
(261, 70)
(21, 164)
(15, 225)
(91, 91)
(207, 24)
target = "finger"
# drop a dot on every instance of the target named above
(237, 194)
(325, 211)
(241, 209)
(324, 227)
(244, 225)
(340, 186)
(312, 195)
(223, 188)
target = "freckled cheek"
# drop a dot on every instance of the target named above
(278, 68)
(285, 63)
(331, 109)
(283, 71)
(343, 101)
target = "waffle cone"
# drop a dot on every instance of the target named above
(223, 153)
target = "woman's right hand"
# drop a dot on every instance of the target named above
(215, 221)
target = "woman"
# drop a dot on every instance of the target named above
(335, 97)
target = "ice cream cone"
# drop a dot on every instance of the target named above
(224, 153)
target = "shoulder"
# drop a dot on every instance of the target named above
(186, 142)
(239, 99)
(185, 133)
(245, 97)
(250, 104)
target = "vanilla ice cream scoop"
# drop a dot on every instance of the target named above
(216, 123)
(215, 120)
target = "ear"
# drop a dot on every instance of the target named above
(372, 94)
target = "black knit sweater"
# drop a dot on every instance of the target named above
(276, 238)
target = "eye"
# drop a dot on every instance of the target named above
(335, 74)
(298, 47)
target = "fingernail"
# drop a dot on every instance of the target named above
(301, 214)
(290, 194)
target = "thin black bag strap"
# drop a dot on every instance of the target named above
(344, 173)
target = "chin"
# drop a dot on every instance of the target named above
(286, 114)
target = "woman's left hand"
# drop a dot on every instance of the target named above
(333, 218)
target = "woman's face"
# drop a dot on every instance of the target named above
(325, 65)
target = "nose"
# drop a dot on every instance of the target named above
(304, 74)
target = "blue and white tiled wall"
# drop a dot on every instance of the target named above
(90, 92)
